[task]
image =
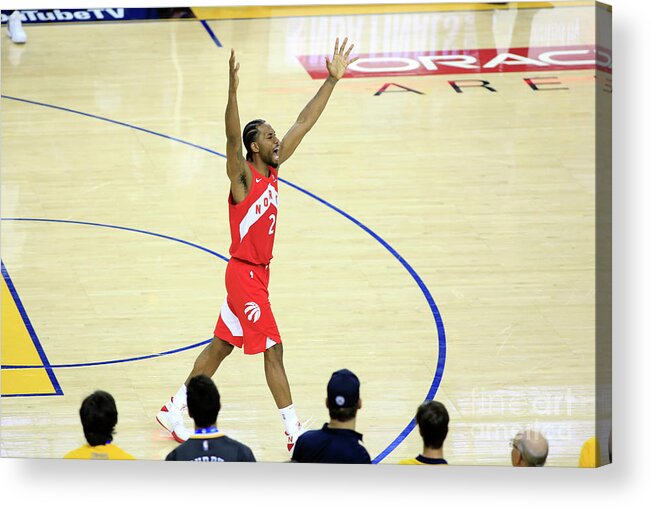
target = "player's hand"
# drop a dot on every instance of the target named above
(340, 62)
(234, 66)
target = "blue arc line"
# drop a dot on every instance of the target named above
(32, 333)
(430, 300)
(116, 122)
(113, 361)
(211, 33)
(130, 229)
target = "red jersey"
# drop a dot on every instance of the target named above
(253, 221)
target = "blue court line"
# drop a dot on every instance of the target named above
(122, 124)
(430, 300)
(129, 229)
(37, 344)
(211, 33)
(119, 227)
(112, 361)
(30, 395)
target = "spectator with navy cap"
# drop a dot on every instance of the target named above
(337, 441)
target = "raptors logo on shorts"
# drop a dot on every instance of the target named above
(246, 319)
(252, 311)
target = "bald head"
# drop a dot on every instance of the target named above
(530, 449)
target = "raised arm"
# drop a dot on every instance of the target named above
(311, 112)
(236, 167)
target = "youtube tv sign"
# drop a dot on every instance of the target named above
(468, 61)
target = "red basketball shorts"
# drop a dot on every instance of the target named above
(246, 319)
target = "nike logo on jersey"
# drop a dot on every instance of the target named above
(258, 180)
(252, 311)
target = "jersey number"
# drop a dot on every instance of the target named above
(272, 217)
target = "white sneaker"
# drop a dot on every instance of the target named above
(170, 417)
(301, 428)
(15, 29)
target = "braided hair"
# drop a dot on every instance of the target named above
(249, 135)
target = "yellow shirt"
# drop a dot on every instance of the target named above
(590, 454)
(108, 451)
(422, 460)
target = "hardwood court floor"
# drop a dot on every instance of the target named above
(428, 238)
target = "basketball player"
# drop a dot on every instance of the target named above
(246, 320)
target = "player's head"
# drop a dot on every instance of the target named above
(343, 396)
(432, 419)
(203, 401)
(99, 416)
(260, 140)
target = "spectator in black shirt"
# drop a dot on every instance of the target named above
(337, 441)
(207, 443)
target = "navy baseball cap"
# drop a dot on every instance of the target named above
(343, 389)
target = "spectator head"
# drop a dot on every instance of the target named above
(343, 400)
(432, 419)
(203, 401)
(529, 449)
(99, 416)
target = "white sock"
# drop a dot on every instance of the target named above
(180, 399)
(290, 419)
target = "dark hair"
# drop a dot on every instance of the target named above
(99, 416)
(249, 135)
(342, 414)
(432, 418)
(203, 401)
